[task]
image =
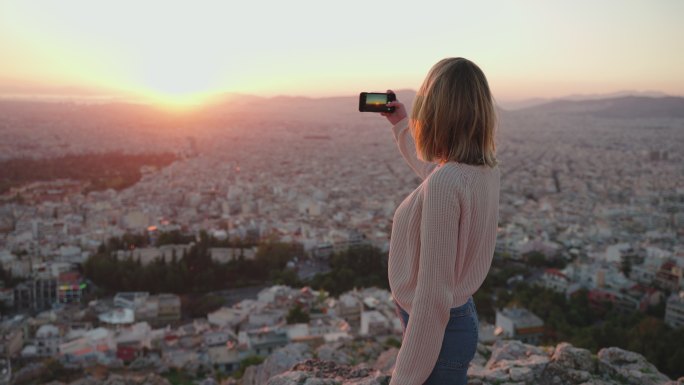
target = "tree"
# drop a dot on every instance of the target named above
(246, 362)
(285, 277)
(297, 315)
(535, 259)
(626, 266)
(199, 306)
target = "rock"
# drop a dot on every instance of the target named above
(568, 356)
(289, 378)
(125, 379)
(484, 349)
(333, 352)
(526, 362)
(487, 376)
(629, 367)
(569, 365)
(330, 369)
(482, 355)
(319, 372)
(386, 361)
(513, 350)
(599, 382)
(279, 362)
(520, 374)
(85, 381)
(376, 379)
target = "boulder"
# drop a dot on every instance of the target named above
(386, 361)
(511, 360)
(125, 379)
(569, 365)
(320, 372)
(629, 367)
(333, 352)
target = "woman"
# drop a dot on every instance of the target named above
(444, 232)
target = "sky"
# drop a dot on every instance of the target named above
(185, 51)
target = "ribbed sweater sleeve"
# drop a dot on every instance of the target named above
(429, 315)
(407, 148)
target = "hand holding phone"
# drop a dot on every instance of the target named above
(399, 112)
(376, 102)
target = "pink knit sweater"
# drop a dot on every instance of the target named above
(443, 239)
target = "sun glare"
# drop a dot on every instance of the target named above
(171, 78)
(179, 101)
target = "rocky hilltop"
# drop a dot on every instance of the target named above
(505, 362)
(368, 362)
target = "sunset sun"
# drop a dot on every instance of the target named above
(178, 83)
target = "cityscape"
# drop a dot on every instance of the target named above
(591, 207)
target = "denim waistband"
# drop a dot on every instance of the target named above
(458, 311)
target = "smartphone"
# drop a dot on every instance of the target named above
(376, 102)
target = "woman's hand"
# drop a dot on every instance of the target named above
(399, 111)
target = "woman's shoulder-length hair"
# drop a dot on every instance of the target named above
(453, 116)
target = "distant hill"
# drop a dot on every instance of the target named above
(626, 107)
(527, 103)
(299, 108)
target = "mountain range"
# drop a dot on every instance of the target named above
(345, 108)
(625, 107)
(643, 105)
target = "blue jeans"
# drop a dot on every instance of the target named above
(458, 346)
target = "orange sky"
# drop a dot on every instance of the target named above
(185, 51)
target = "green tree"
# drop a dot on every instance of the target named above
(535, 259)
(247, 362)
(285, 277)
(196, 306)
(626, 266)
(297, 315)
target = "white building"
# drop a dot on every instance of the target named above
(374, 323)
(674, 310)
(555, 280)
(96, 345)
(138, 335)
(118, 316)
(224, 357)
(276, 295)
(47, 341)
(349, 308)
(228, 317)
(214, 338)
(227, 254)
(644, 274)
(330, 328)
(131, 299)
(520, 324)
(269, 317)
(178, 358)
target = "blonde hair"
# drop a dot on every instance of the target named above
(453, 116)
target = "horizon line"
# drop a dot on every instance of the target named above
(105, 98)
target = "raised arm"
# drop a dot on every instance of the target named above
(402, 135)
(407, 147)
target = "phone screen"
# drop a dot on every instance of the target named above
(376, 100)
